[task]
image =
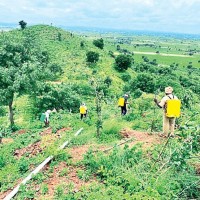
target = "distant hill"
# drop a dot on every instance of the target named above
(98, 30)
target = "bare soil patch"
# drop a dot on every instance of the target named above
(7, 140)
(22, 131)
(56, 179)
(31, 150)
(146, 139)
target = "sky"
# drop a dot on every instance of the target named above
(179, 16)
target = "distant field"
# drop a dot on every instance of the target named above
(165, 50)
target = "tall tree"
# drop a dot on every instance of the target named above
(22, 66)
(22, 24)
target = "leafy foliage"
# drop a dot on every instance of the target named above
(123, 62)
(99, 43)
(21, 67)
(92, 57)
(22, 24)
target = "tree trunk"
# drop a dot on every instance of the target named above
(11, 114)
(99, 117)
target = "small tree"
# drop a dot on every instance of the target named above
(108, 81)
(82, 44)
(22, 24)
(99, 43)
(59, 36)
(92, 57)
(118, 47)
(123, 62)
(21, 69)
(99, 96)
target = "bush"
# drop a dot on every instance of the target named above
(126, 77)
(23, 165)
(2, 111)
(123, 62)
(92, 57)
(110, 131)
(145, 82)
(60, 97)
(99, 43)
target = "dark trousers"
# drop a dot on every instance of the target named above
(46, 123)
(123, 110)
(83, 115)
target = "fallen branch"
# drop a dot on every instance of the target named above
(37, 169)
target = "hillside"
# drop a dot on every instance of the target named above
(138, 163)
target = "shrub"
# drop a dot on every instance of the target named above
(92, 57)
(123, 62)
(23, 165)
(126, 77)
(145, 82)
(99, 43)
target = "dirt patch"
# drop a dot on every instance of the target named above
(33, 149)
(7, 140)
(56, 179)
(49, 131)
(20, 132)
(46, 131)
(197, 167)
(4, 194)
(63, 130)
(146, 139)
(30, 150)
(78, 152)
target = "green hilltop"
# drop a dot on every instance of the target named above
(44, 67)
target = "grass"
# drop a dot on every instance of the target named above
(71, 57)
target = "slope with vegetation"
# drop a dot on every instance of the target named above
(45, 67)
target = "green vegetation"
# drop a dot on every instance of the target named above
(99, 43)
(44, 67)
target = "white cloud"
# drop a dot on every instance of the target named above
(139, 14)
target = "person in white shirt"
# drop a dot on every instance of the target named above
(168, 122)
(46, 120)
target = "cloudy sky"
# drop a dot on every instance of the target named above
(156, 15)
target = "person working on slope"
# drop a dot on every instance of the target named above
(83, 110)
(45, 118)
(123, 101)
(168, 119)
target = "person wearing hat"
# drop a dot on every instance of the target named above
(168, 122)
(83, 110)
(124, 108)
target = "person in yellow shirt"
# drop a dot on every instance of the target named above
(168, 122)
(83, 110)
(122, 102)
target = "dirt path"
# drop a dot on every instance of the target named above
(161, 54)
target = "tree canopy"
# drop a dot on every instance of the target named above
(123, 62)
(22, 24)
(99, 43)
(22, 66)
